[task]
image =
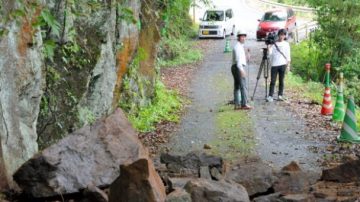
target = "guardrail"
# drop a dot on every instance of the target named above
(307, 28)
(295, 8)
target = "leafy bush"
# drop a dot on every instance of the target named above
(176, 46)
(178, 51)
(339, 24)
(336, 41)
(177, 22)
(308, 60)
(352, 75)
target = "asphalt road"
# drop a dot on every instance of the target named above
(280, 135)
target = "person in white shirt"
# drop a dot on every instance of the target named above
(280, 61)
(238, 71)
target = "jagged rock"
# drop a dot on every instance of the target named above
(160, 167)
(292, 167)
(178, 195)
(289, 182)
(333, 191)
(179, 182)
(215, 174)
(214, 191)
(167, 183)
(189, 164)
(137, 182)
(268, 198)
(205, 173)
(347, 172)
(256, 177)
(91, 155)
(297, 198)
(21, 83)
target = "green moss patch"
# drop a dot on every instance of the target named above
(235, 133)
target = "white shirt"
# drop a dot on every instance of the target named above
(239, 57)
(277, 59)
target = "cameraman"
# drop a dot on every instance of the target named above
(280, 61)
(239, 59)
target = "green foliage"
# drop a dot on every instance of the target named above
(74, 56)
(50, 21)
(235, 132)
(86, 116)
(176, 47)
(17, 13)
(175, 16)
(125, 14)
(339, 28)
(308, 60)
(165, 106)
(309, 89)
(336, 41)
(358, 117)
(351, 69)
(48, 50)
(134, 85)
(177, 51)
(293, 2)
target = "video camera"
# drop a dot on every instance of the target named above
(271, 38)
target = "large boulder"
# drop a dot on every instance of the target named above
(214, 191)
(347, 172)
(257, 177)
(90, 156)
(137, 182)
(178, 195)
(292, 183)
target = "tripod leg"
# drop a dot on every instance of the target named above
(248, 80)
(266, 75)
(266, 88)
(258, 77)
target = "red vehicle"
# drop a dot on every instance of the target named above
(274, 20)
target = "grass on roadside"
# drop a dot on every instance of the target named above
(235, 133)
(310, 90)
(178, 51)
(165, 107)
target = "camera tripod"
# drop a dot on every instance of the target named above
(264, 66)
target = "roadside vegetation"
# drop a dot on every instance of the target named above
(176, 47)
(293, 2)
(336, 41)
(233, 141)
(163, 108)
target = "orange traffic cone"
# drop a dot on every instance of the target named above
(327, 108)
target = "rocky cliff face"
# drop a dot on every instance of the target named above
(95, 64)
(21, 80)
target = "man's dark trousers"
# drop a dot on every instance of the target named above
(239, 85)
